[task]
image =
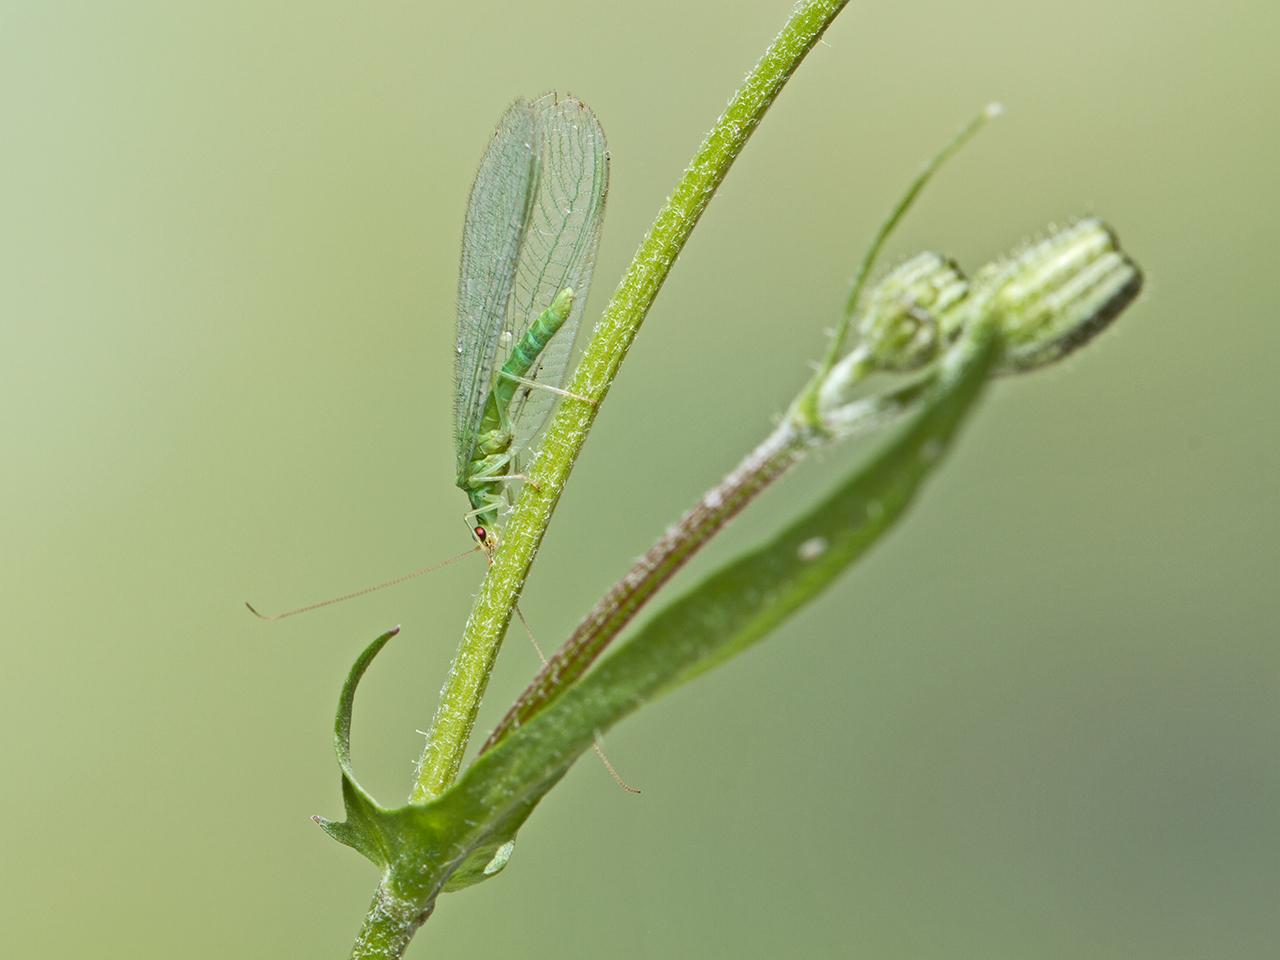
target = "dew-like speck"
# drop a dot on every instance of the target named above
(812, 548)
(930, 450)
(500, 858)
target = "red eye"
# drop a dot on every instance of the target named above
(481, 534)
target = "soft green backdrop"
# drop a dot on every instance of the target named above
(1040, 721)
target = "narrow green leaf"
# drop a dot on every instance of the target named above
(364, 829)
(739, 604)
(463, 837)
(420, 845)
(727, 612)
(466, 835)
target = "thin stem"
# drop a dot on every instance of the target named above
(786, 446)
(469, 674)
(766, 463)
(819, 415)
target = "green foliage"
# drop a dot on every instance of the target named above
(463, 836)
(466, 834)
(934, 336)
(596, 371)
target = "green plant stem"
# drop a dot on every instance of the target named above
(732, 609)
(469, 674)
(789, 443)
(811, 422)
(774, 456)
(388, 926)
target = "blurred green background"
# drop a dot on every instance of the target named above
(1039, 721)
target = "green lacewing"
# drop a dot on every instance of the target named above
(528, 249)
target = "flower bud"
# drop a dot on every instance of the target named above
(1058, 294)
(901, 326)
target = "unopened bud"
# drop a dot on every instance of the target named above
(903, 322)
(1058, 294)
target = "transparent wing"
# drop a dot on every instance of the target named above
(559, 245)
(498, 211)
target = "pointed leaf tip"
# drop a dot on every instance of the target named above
(363, 829)
(346, 701)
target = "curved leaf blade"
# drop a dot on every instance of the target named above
(464, 836)
(364, 829)
(730, 610)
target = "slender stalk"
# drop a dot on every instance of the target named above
(766, 463)
(811, 422)
(789, 443)
(469, 675)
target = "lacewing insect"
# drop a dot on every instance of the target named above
(528, 248)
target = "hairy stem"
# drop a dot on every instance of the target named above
(786, 446)
(468, 676)
(388, 926)
(766, 463)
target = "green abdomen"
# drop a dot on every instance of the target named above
(491, 453)
(525, 353)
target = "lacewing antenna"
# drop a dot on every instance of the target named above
(271, 618)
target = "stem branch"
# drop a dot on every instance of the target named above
(766, 463)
